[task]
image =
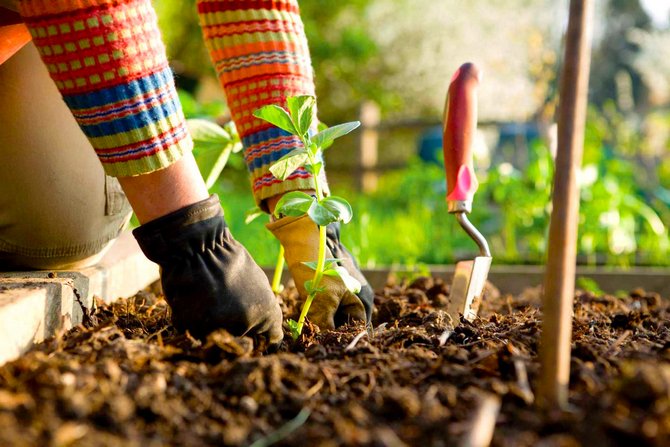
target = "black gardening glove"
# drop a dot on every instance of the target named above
(208, 278)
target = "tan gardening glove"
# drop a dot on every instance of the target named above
(336, 305)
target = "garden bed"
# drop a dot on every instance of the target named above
(126, 378)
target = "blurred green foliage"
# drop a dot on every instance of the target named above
(406, 222)
(625, 189)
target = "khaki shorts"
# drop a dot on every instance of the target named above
(57, 208)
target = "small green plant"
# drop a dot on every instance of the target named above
(297, 119)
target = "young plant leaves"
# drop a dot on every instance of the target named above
(330, 262)
(294, 328)
(351, 283)
(252, 214)
(339, 207)
(314, 169)
(286, 165)
(313, 149)
(234, 136)
(301, 109)
(310, 289)
(294, 203)
(324, 138)
(274, 114)
(321, 215)
(203, 131)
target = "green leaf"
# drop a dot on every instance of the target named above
(237, 147)
(313, 150)
(313, 290)
(328, 264)
(324, 138)
(286, 165)
(203, 131)
(314, 169)
(351, 283)
(301, 109)
(321, 215)
(294, 328)
(274, 114)
(234, 136)
(294, 203)
(252, 214)
(339, 207)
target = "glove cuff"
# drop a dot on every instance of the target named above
(182, 232)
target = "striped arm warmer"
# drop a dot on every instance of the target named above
(260, 53)
(108, 61)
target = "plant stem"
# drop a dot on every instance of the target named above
(312, 161)
(276, 279)
(218, 166)
(318, 274)
(321, 260)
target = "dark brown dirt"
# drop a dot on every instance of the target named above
(126, 378)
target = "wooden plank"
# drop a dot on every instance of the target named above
(514, 279)
(36, 304)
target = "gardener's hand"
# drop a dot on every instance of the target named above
(335, 305)
(209, 279)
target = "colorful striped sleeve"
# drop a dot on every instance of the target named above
(108, 60)
(260, 53)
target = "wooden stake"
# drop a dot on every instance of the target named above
(370, 117)
(561, 264)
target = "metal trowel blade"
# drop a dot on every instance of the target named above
(467, 288)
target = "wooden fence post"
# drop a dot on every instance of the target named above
(370, 117)
(562, 254)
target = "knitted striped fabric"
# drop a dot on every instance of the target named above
(108, 61)
(261, 57)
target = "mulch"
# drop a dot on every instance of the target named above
(125, 377)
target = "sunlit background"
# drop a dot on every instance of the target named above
(396, 57)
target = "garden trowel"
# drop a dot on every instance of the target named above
(460, 124)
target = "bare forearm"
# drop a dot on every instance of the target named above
(161, 192)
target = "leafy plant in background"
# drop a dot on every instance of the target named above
(215, 142)
(297, 119)
(616, 218)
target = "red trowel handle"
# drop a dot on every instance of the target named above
(460, 124)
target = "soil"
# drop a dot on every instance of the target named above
(126, 377)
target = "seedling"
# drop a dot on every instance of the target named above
(297, 119)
